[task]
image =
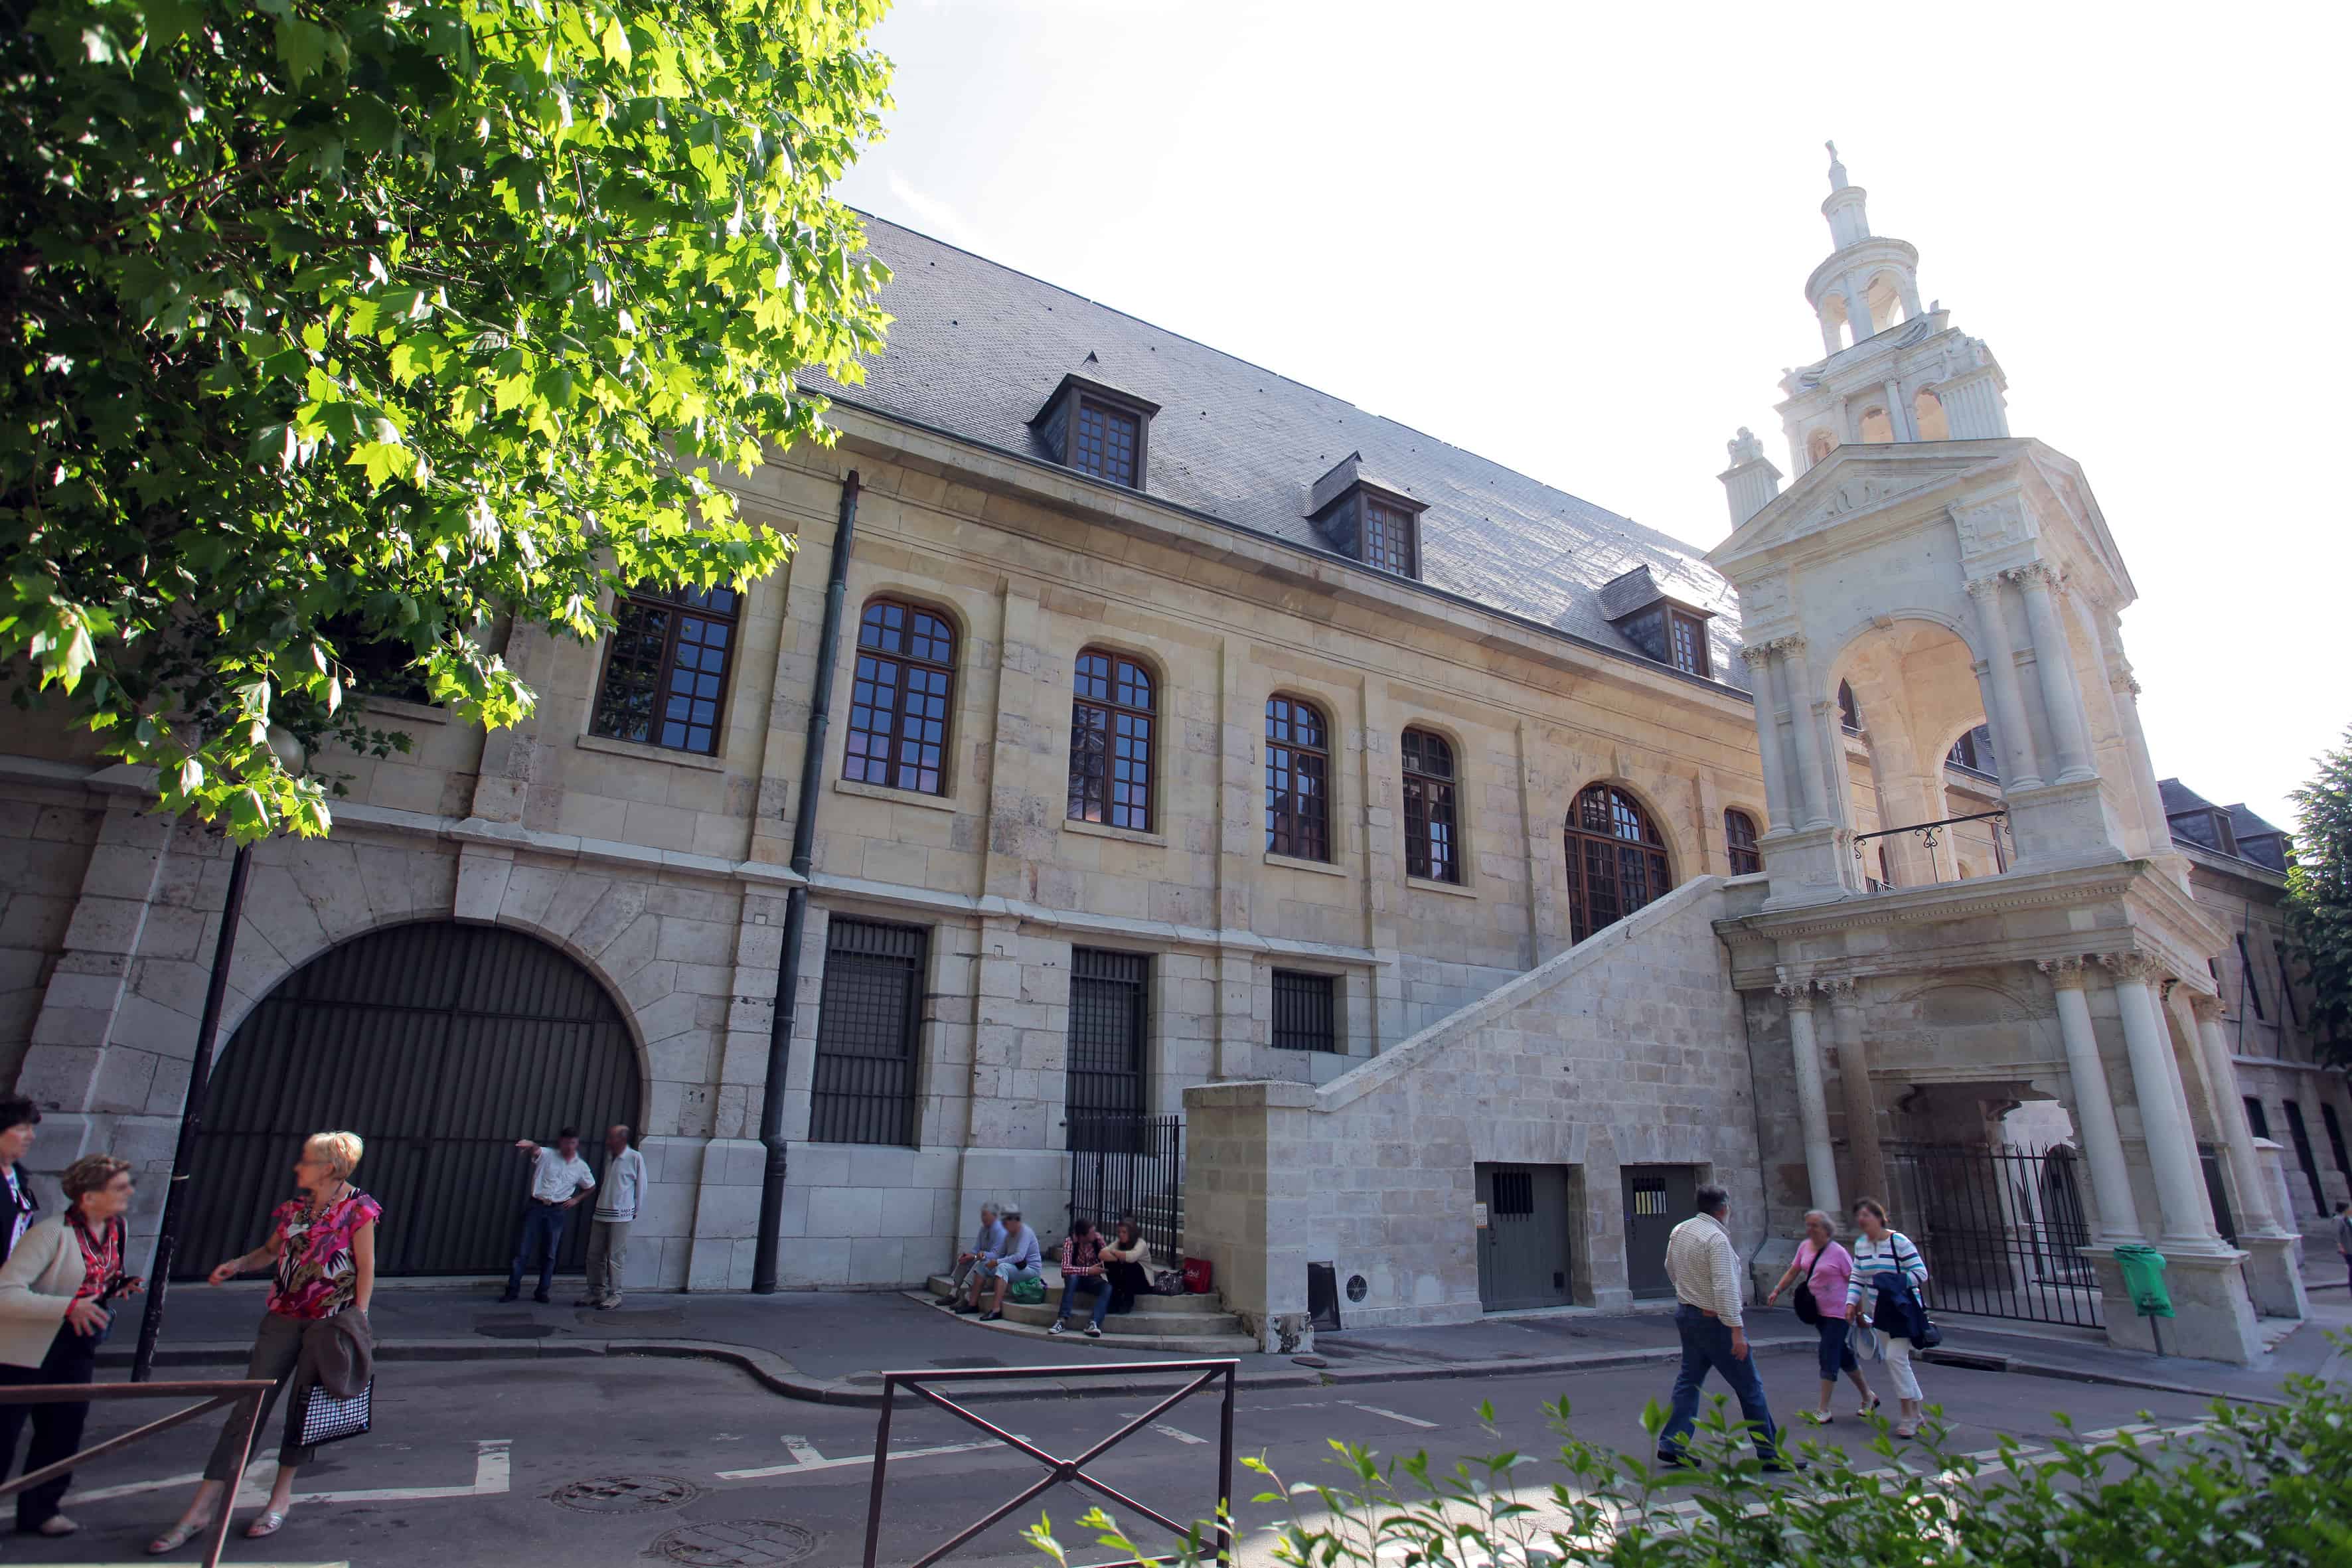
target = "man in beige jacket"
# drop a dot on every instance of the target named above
(1704, 1268)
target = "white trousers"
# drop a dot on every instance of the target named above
(1895, 1352)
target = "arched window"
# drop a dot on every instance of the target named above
(1885, 304)
(1973, 751)
(899, 705)
(1739, 838)
(1823, 443)
(1876, 426)
(665, 668)
(1111, 725)
(1616, 861)
(1298, 780)
(1432, 845)
(1849, 711)
(1927, 413)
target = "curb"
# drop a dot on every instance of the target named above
(1989, 1361)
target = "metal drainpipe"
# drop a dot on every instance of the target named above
(788, 977)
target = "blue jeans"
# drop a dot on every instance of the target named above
(1073, 1283)
(542, 1226)
(1836, 1349)
(1706, 1346)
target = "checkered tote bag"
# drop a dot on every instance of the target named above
(318, 1416)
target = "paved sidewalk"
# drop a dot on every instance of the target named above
(834, 1347)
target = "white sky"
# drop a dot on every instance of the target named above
(1574, 238)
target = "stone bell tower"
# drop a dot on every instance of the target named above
(1928, 577)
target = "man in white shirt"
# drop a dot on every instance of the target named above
(560, 1178)
(1704, 1268)
(617, 1210)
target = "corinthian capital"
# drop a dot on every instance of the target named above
(2065, 973)
(2206, 1005)
(1840, 991)
(2136, 966)
(1755, 656)
(2032, 572)
(1979, 587)
(1792, 644)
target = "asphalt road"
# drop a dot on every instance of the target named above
(469, 1462)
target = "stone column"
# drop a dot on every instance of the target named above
(1758, 659)
(2172, 1154)
(1898, 416)
(2272, 1278)
(2094, 1110)
(2011, 733)
(1812, 1103)
(1854, 1081)
(1805, 720)
(2053, 661)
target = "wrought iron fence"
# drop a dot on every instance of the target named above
(1129, 1165)
(2002, 1230)
(1933, 835)
(1126, 1376)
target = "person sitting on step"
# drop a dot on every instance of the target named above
(1019, 1256)
(1082, 1269)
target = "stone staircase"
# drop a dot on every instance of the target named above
(1181, 1325)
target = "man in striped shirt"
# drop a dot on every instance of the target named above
(1704, 1268)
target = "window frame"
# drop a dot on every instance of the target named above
(909, 664)
(1056, 424)
(1581, 841)
(1736, 848)
(1299, 983)
(2287, 989)
(679, 605)
(1346, 525)
(1113, 710)
(1406, 527)
(1426, 790)
(1679, 621)
(834, 1111)
(1283, 754)
(1105, 978)
(2247, 983)
(1108, 409)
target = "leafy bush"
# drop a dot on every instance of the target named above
(2254, 1485)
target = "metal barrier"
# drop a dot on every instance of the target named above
(2002, 1230)
(244, 1392)
(1059, 1469)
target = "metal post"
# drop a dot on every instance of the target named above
(788, 975)
(881, 1459)
(1226, 1472)
(191, 1117)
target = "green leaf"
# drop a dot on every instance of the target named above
(615, 41)
(301, 46)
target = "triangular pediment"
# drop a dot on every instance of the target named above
(1854, 483)
(2070, 491)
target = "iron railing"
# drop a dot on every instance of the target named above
(1122, 1165)
(1931, 835)
(245, 1394)
(2002, 1230)
(1059, 1470)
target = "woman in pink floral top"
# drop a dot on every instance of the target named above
(323, 1245)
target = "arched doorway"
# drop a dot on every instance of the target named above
(440, 1045)
(1616, 859)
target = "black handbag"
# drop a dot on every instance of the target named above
(319, 1416)
(1807, 1310)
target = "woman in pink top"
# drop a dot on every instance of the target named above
(1821, 1270)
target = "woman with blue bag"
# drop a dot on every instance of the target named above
(1884, 1305)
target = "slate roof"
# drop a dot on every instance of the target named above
(2261, 842)
(975, 348)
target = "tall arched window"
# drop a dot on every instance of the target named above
(1849, 711)
(900, 704)
(1298, 780)
(1432, 845)
(1113, 703)
(1739, 839)
(1616, 861)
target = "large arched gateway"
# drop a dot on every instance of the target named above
(440, 1043)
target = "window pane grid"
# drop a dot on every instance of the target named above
(665, 681)
(1306, 1012)
(900, 699)
(1297, 780)
(1111, 735)
(1430, 846)
(1388, 538)
(1616, 861)
(1739, 837)
(1104, 443)
(863, 1089)
(1689, 644)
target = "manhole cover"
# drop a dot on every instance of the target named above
(735, 1543)
(626, 1494)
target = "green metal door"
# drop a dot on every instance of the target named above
(1523, 1248)
(1657, 1199)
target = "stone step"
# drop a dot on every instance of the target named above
(1146, 1306)
(1216, 1335)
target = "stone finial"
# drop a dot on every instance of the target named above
(1744, 447)
(2065, 973)
(1837, 171)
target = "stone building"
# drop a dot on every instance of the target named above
(1200, 746)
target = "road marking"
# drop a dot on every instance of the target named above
(492, 1476)
(1392, 1415)
(1178, 1433)
(805, 1458)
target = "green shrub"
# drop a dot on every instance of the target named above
(2254, 1485)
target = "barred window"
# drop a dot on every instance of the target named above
(1388, 538)
(1432, 847)
(865, 1077)
(664, 680)
(899, 705)
(1108, 991)
(1104, 442)
(1616, 861)
(1298, 780)
(1111, 721)
(1739, 837)
(1306, 1012)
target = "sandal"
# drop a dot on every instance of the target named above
(1819, 1417)
(171, 1540)
(266, 1525)
(56, 1525)
(1871, 1408)
(1910, 1431)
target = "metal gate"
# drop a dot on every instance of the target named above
(1106, 1006)
(1130, 1165)
(1657, 1199)
(1523, 1248)
(440, 1044)
(2002, 1230)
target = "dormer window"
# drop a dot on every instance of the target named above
(1668, 630)
(1367, 521)
(1096, 429)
